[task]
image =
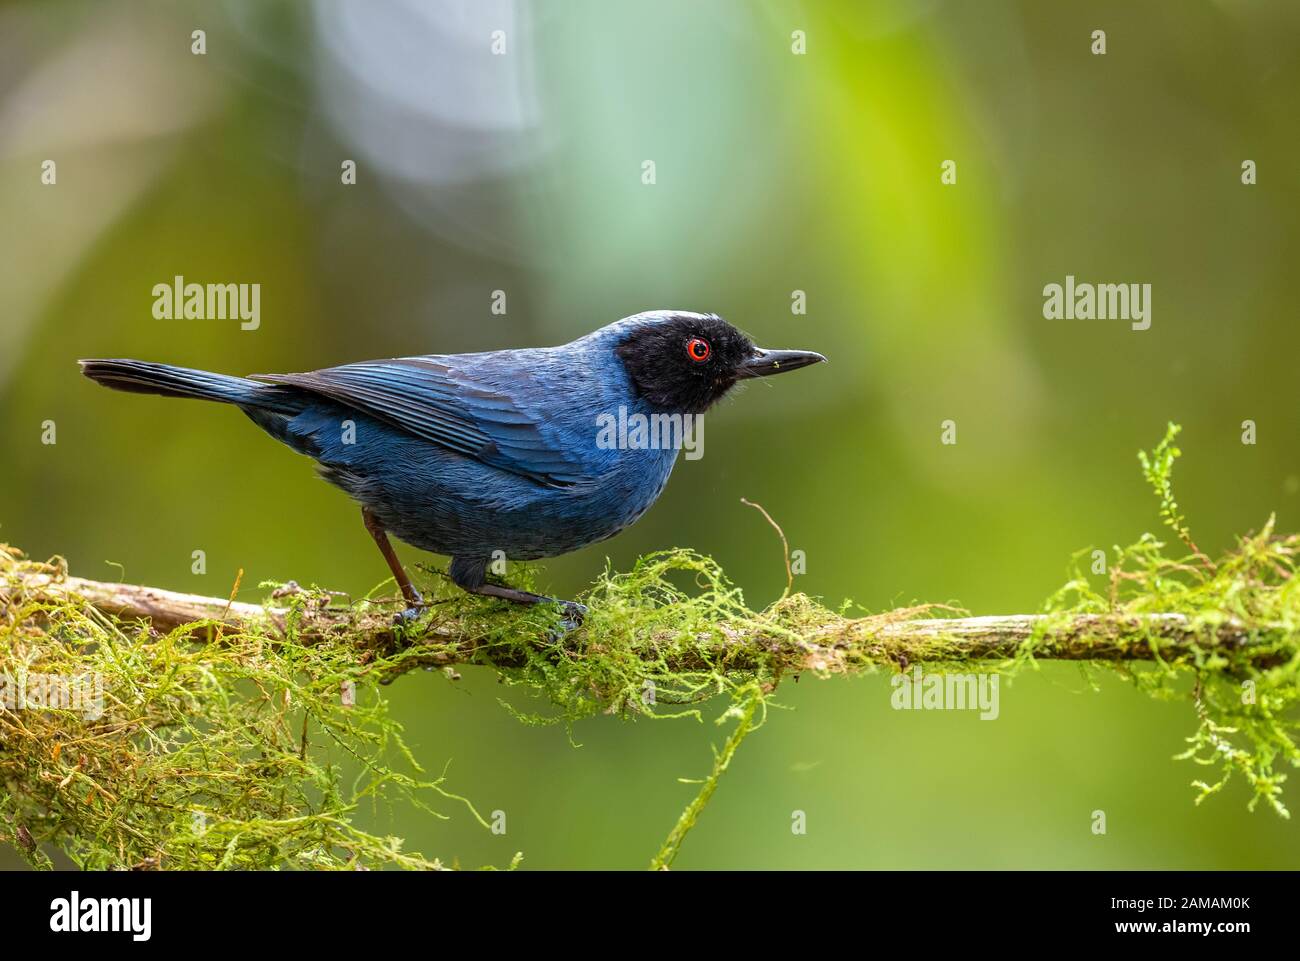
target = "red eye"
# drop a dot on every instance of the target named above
(698, 348)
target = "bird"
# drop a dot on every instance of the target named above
(468, 455)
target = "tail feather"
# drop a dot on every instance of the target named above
(143, 377)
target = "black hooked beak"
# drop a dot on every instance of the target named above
(767, 362)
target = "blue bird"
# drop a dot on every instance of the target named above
(469, 454)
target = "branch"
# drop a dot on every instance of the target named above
(221, 753)
(839, 645)
(206, 754)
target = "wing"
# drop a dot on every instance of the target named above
(436, 400)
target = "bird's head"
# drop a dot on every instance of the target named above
(688, 362)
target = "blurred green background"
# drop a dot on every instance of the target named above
(776, 172)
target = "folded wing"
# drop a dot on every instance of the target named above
(433, 400)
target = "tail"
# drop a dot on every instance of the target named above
(142, 377)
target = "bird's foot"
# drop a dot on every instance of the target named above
(403, 622)
(573, 615)
(408, 616)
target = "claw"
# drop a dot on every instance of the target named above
(574, 613)
(408, 616)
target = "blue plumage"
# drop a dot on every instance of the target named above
(470, 454)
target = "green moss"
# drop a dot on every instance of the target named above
(227, 750)
(208, 755)
(1245, 694)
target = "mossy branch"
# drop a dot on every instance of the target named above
(823, 643)
(226, 727)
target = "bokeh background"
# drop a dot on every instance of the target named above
(776, 172)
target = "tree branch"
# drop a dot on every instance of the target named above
(897, 638)
(111, 798)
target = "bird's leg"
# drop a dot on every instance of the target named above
(385, 546)
(470, 575)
